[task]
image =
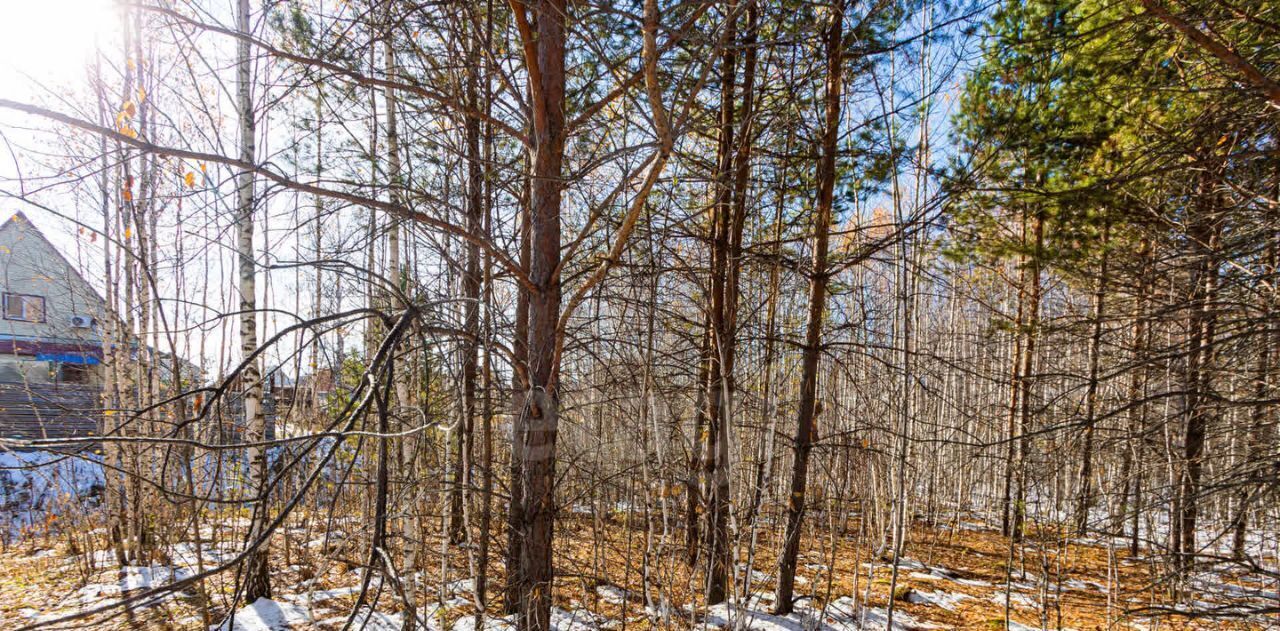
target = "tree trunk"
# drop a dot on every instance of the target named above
(1025, 382)
(1085, 497)
(257, 577)
(486, 372)
(1136, 419)
(471, 304)
(535, 430)
(1198, 377)
(519, 386)
(1015, 390)
(805, 426)
(693, 500)
(720, 373)
(1260, 432)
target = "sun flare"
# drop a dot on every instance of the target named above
(49, 42)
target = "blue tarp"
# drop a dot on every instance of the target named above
(69, 358)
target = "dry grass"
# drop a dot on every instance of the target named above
(43, 576)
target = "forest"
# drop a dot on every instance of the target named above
(581, 315)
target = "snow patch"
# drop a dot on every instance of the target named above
(1015, 599)
(33, 484)
(613, 594)
(130, 579)
(945, 600)
(266, 615)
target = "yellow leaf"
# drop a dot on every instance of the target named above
(190, 178)
(128, 233)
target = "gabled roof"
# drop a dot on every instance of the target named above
(20, 219)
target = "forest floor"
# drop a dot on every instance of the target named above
(950, 577)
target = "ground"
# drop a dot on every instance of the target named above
(952, 576)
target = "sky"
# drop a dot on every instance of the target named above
(49, 40)
(44, 48)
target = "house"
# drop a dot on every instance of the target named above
(51, 348)
(50, 342)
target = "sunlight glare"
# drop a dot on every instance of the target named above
(51, 41)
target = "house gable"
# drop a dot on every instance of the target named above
(30, 265)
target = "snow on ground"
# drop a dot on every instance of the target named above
(124, 581)
(37, 483)
(561, 620)
(878, 618)
(307, 611)
(36, 478)
(731, 617)
(1084, 586)
(109, 586)
(1018, 626)
(322, 595)
(904, 563)
(491, 623)
(872, 617)
(613, 594)
(576, 620)
(841, 615)
(368, 620)
(757, 577)
(184, 555)
(945, 600)
(939, 573)
(265, 614)
(1015, 599)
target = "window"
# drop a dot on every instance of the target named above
(23, 307)
(73, 373)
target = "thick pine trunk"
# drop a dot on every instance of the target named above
(805, 426)
(535, 429)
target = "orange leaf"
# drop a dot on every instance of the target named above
(190, 179)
